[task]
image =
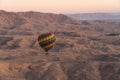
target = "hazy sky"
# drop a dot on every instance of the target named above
(61, 6)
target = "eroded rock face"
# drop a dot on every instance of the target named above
(47, 72)
(82, 50)
(110, 71)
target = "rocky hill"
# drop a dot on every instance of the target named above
(84, 50)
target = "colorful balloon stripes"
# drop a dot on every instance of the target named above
(46, 41)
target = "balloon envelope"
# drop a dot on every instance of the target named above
(46, 41)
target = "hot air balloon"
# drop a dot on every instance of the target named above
(46, 41)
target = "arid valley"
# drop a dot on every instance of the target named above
(84, 49)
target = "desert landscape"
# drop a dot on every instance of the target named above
(84, 49)
(111, 16)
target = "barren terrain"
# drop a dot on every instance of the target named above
(84, 50)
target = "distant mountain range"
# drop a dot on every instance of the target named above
(96, 16)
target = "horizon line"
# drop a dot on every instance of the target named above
(62, 12)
